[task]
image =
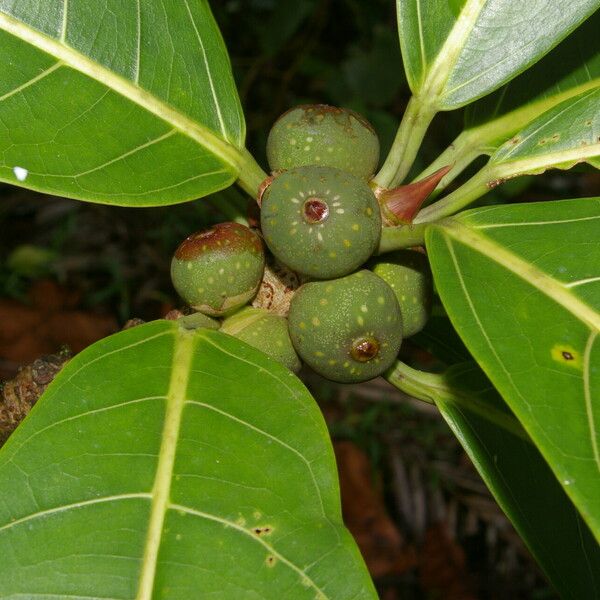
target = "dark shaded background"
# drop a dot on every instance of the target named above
(72, 273)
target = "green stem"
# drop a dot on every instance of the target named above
(251, 174)
(435, 389)
(414, 124)
(470, 191)
(402, 236)
(460, 154)
(419, 384)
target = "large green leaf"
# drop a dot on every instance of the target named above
(128, 103)
(569, 70)
(166, 463)
(521, 285)
(515, 472)
(560, 138)
(455, 52)
(522, 483)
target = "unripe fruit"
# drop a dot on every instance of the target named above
(348, 329)
(266, 332)
(218, 270)
(320, 222)
(198, 320)
(317, 134)
(407, 272)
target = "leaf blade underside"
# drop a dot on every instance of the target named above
(108, 105)
(525, 298)
(180, 479)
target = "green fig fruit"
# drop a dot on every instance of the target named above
(198, 320)
(347, 329)
(320, 222)
(218, 270)
(407, 272)
(266, 332)
(317, 134)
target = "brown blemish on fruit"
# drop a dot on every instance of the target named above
(228, 237)
(364, 349)
(313, 114)
(315, 210)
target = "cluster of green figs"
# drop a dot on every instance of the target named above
(344, 311)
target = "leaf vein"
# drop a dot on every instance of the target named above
(74, 505)
(271, 437)
(32, 81)
(230, 524)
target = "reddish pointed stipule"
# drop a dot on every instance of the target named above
(400, 205)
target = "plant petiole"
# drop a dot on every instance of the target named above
(414, 124)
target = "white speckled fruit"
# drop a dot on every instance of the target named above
(320, 222)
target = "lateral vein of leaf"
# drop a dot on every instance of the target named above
(182, 360)
(82, 415)
(208, 71)
(589, 407)
(55, 389)
(32, 81)
(123, 156)
(145, 193)
(229, 524)
(271, 437)
(65, 17)
(481, 74)
(70, 57)
(582, 282)
(546, 284)
(74, 505)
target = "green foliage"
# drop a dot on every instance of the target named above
(135, 474)
(521, 481)
(200, 459)
(534, 325)
(442, 42)
(128, 136)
